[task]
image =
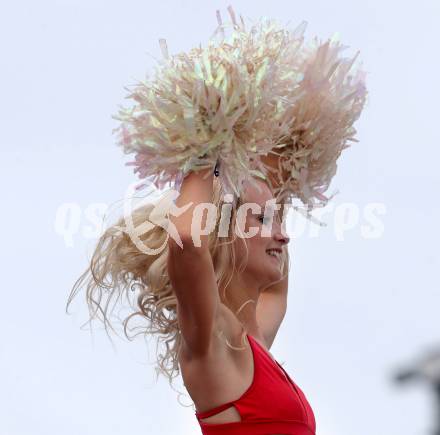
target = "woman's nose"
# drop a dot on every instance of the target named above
(279, 231)
(282, 238)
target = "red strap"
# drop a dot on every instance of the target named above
(215, 410)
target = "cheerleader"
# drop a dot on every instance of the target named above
(239, 129)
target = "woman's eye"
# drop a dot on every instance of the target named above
(263, 219)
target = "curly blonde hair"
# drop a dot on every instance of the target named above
(118, 269)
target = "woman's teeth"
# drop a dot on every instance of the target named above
(274, 253)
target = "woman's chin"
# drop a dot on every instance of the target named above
(268, 273)
(275, 274)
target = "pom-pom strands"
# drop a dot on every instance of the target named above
(320, 117)
(242, 100)
(213, 104)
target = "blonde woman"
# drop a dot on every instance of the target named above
(216, 305)
(256, 102)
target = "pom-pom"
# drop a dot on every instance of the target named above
(219, 104)
(319, 124)
(254, 102)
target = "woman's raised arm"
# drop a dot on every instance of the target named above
(191, 268)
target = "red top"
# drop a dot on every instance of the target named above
(273, 404)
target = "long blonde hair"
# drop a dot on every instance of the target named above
(119, 271)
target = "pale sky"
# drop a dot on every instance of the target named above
(359, 308)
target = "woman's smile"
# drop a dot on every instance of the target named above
(274, 253)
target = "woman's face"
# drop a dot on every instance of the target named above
(266, 249)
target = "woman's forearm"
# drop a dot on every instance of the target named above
(196, 189)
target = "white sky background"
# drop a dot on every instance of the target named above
(358, 308)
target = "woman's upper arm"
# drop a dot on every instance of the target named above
(271, 309)
(192, 276)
